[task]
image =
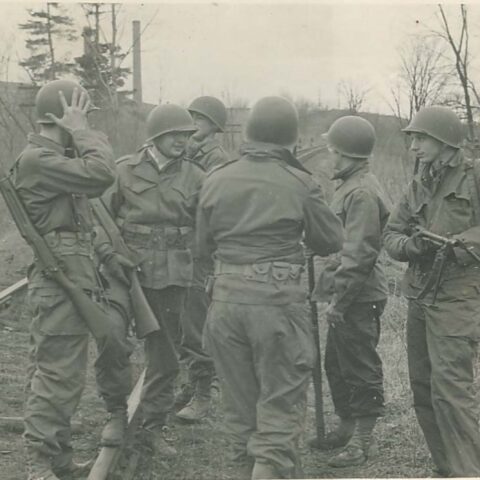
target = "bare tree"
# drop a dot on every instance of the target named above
(460, 48)
(353, 94)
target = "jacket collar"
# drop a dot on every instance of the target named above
(44, 142)
(144, 165)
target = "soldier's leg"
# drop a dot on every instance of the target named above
(161, 365)
(60, 356)
(114, 374)
(199, 364)
(283, 355)
(228, 343)
(361, 369)
(419, 369)
(454, 403)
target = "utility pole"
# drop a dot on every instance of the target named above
(137, 62)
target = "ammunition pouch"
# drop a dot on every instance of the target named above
(157, 237)
(64, 243)
(265, 272)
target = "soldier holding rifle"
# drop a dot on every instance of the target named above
(354, 284)
(252, 215)
(443, 323)
(54, 190)
(153, 202)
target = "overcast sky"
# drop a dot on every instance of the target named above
(251, 50)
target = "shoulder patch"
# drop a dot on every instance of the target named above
(223, 165)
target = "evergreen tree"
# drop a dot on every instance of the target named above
(46, 27)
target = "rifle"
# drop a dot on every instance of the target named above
(444, 253)
(94, 316)
(317, 367)
(145, 320)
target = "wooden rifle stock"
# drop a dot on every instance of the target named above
(145, 320)
(95, 317)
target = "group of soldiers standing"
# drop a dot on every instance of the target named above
(219, 247)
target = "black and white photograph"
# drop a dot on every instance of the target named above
(239, 240)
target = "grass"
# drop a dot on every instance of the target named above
(202, 447)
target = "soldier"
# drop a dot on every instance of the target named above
(54, 189)
(442, 335)
(354, 284)
(252, 215)
(153, 202)
(209, 115)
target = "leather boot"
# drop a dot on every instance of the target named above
(156, 440)
(186, 393)
(198, 407)
(74, 470)
(264, 471)
(39, 466)
(336, 438)
(358, 448)
(113, 434)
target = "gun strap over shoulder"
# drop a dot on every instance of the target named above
(472, 169)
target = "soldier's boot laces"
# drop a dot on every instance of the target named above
(336, 438)
(113, 434)
(157, 441)
(360, 447)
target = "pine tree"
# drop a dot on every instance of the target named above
(45, 29)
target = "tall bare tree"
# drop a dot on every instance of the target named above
(353, 94)
(460, 47)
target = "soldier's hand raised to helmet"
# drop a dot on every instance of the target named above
(75, 114)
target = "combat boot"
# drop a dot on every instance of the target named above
(74, 470)
(45, 475)
(157, 442)
(184, 396)
(264, 471)
(336, 438)
(360, 445)
(39, 466)
(198, 407)
(113, 434)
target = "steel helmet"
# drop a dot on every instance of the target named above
(168, 118)
(440, 123)
(212, 108)
(48, 99)
(352, 136)
(273, 120)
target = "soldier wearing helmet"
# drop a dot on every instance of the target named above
(354, 284)
(54, 187)
(253, 214)
(209, 115)
(442, 334)
(153, 201)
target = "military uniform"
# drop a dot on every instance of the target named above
(252, 214)
(208, 154)
(355, 282)
(154, 207)
(442, 337)
(54, 190)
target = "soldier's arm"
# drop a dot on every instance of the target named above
(361, 247)
(323, 230)
(204, 243)
(397, 231)
(90, 174)
(216, 157)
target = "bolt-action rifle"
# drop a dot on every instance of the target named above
(145, 320)
(92, 313)
(444, 253)
(317, 367)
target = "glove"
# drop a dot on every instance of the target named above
(334, 317)
(416, 248)
(119, 267)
